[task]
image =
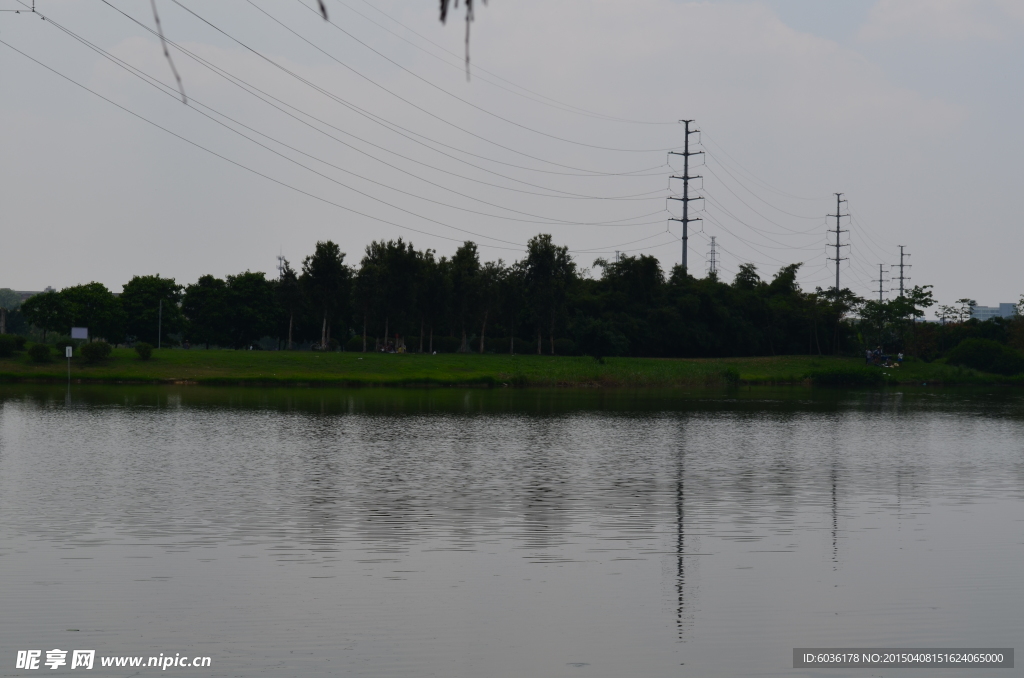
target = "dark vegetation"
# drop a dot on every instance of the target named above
(987, 355)
(40, 353)
(397, 298)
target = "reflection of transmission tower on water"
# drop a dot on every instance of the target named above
(713, 259)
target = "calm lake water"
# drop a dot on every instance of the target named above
(507, 533)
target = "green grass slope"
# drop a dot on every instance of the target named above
(375, 369)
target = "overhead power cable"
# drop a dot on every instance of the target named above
(747, 205)
(753, 176)
(519, 247)
(437, 87)
(749, 190)
(554, 102)
(346, 103)
(252, 90)
(257, 172)
(549, 221)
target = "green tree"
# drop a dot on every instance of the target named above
(9, 302)
(364, 289)
(550, 272)
(961, 312)
(251, 307)
(206, 308)
(433, 293)
(94, 306)
(489, 294)
(48, 311)
(397, 267)
(326, 282)
(289, 295)
(152, 306)
(465, 273)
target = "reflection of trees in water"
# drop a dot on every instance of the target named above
(550, 485)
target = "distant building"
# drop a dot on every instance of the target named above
(989, 312)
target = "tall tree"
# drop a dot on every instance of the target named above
(550, 272)
(151, 304)
(489, 290)
(48, 311)
(206, 308)
(433, 293)
(9, 301)
(289, 295)
(251, 306)
(396, 282)
(465, 273)
(326, 280)
(94, 306)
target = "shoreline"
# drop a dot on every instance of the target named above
(293, 369)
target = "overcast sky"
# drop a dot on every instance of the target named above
(911, 108)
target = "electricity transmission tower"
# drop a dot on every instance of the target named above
(838, 215)
(713, 262)
(880, 281)
(902, 266)
(686, 178)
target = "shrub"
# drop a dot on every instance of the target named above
(9, 344)
(63, 342)
(599, 338)
(731, 376)
(987, 355)
(39, 353)
(355, 344)
(564, 347)
(95, 351)
(144, 350)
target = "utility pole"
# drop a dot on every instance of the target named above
(838, 215)
(881, 279)
(160, 323)
(686, 178)
(713, 264)
(902, 266)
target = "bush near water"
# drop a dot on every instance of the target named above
(987, 355)
(95, 351)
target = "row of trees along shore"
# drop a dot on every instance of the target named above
(543, 303)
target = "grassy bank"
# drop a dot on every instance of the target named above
(374, 369)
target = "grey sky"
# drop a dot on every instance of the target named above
(909, 107)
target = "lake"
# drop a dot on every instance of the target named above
(507, 533)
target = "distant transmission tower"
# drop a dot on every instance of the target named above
(838, 215)
(280, 266)
(713, 263)
(880, 281)
(686, 178)
(902, 266)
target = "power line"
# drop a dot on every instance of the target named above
(247, 87)
(391, 126)
(439, 118)
(574, 109)
(442, 90)
(151, 81)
